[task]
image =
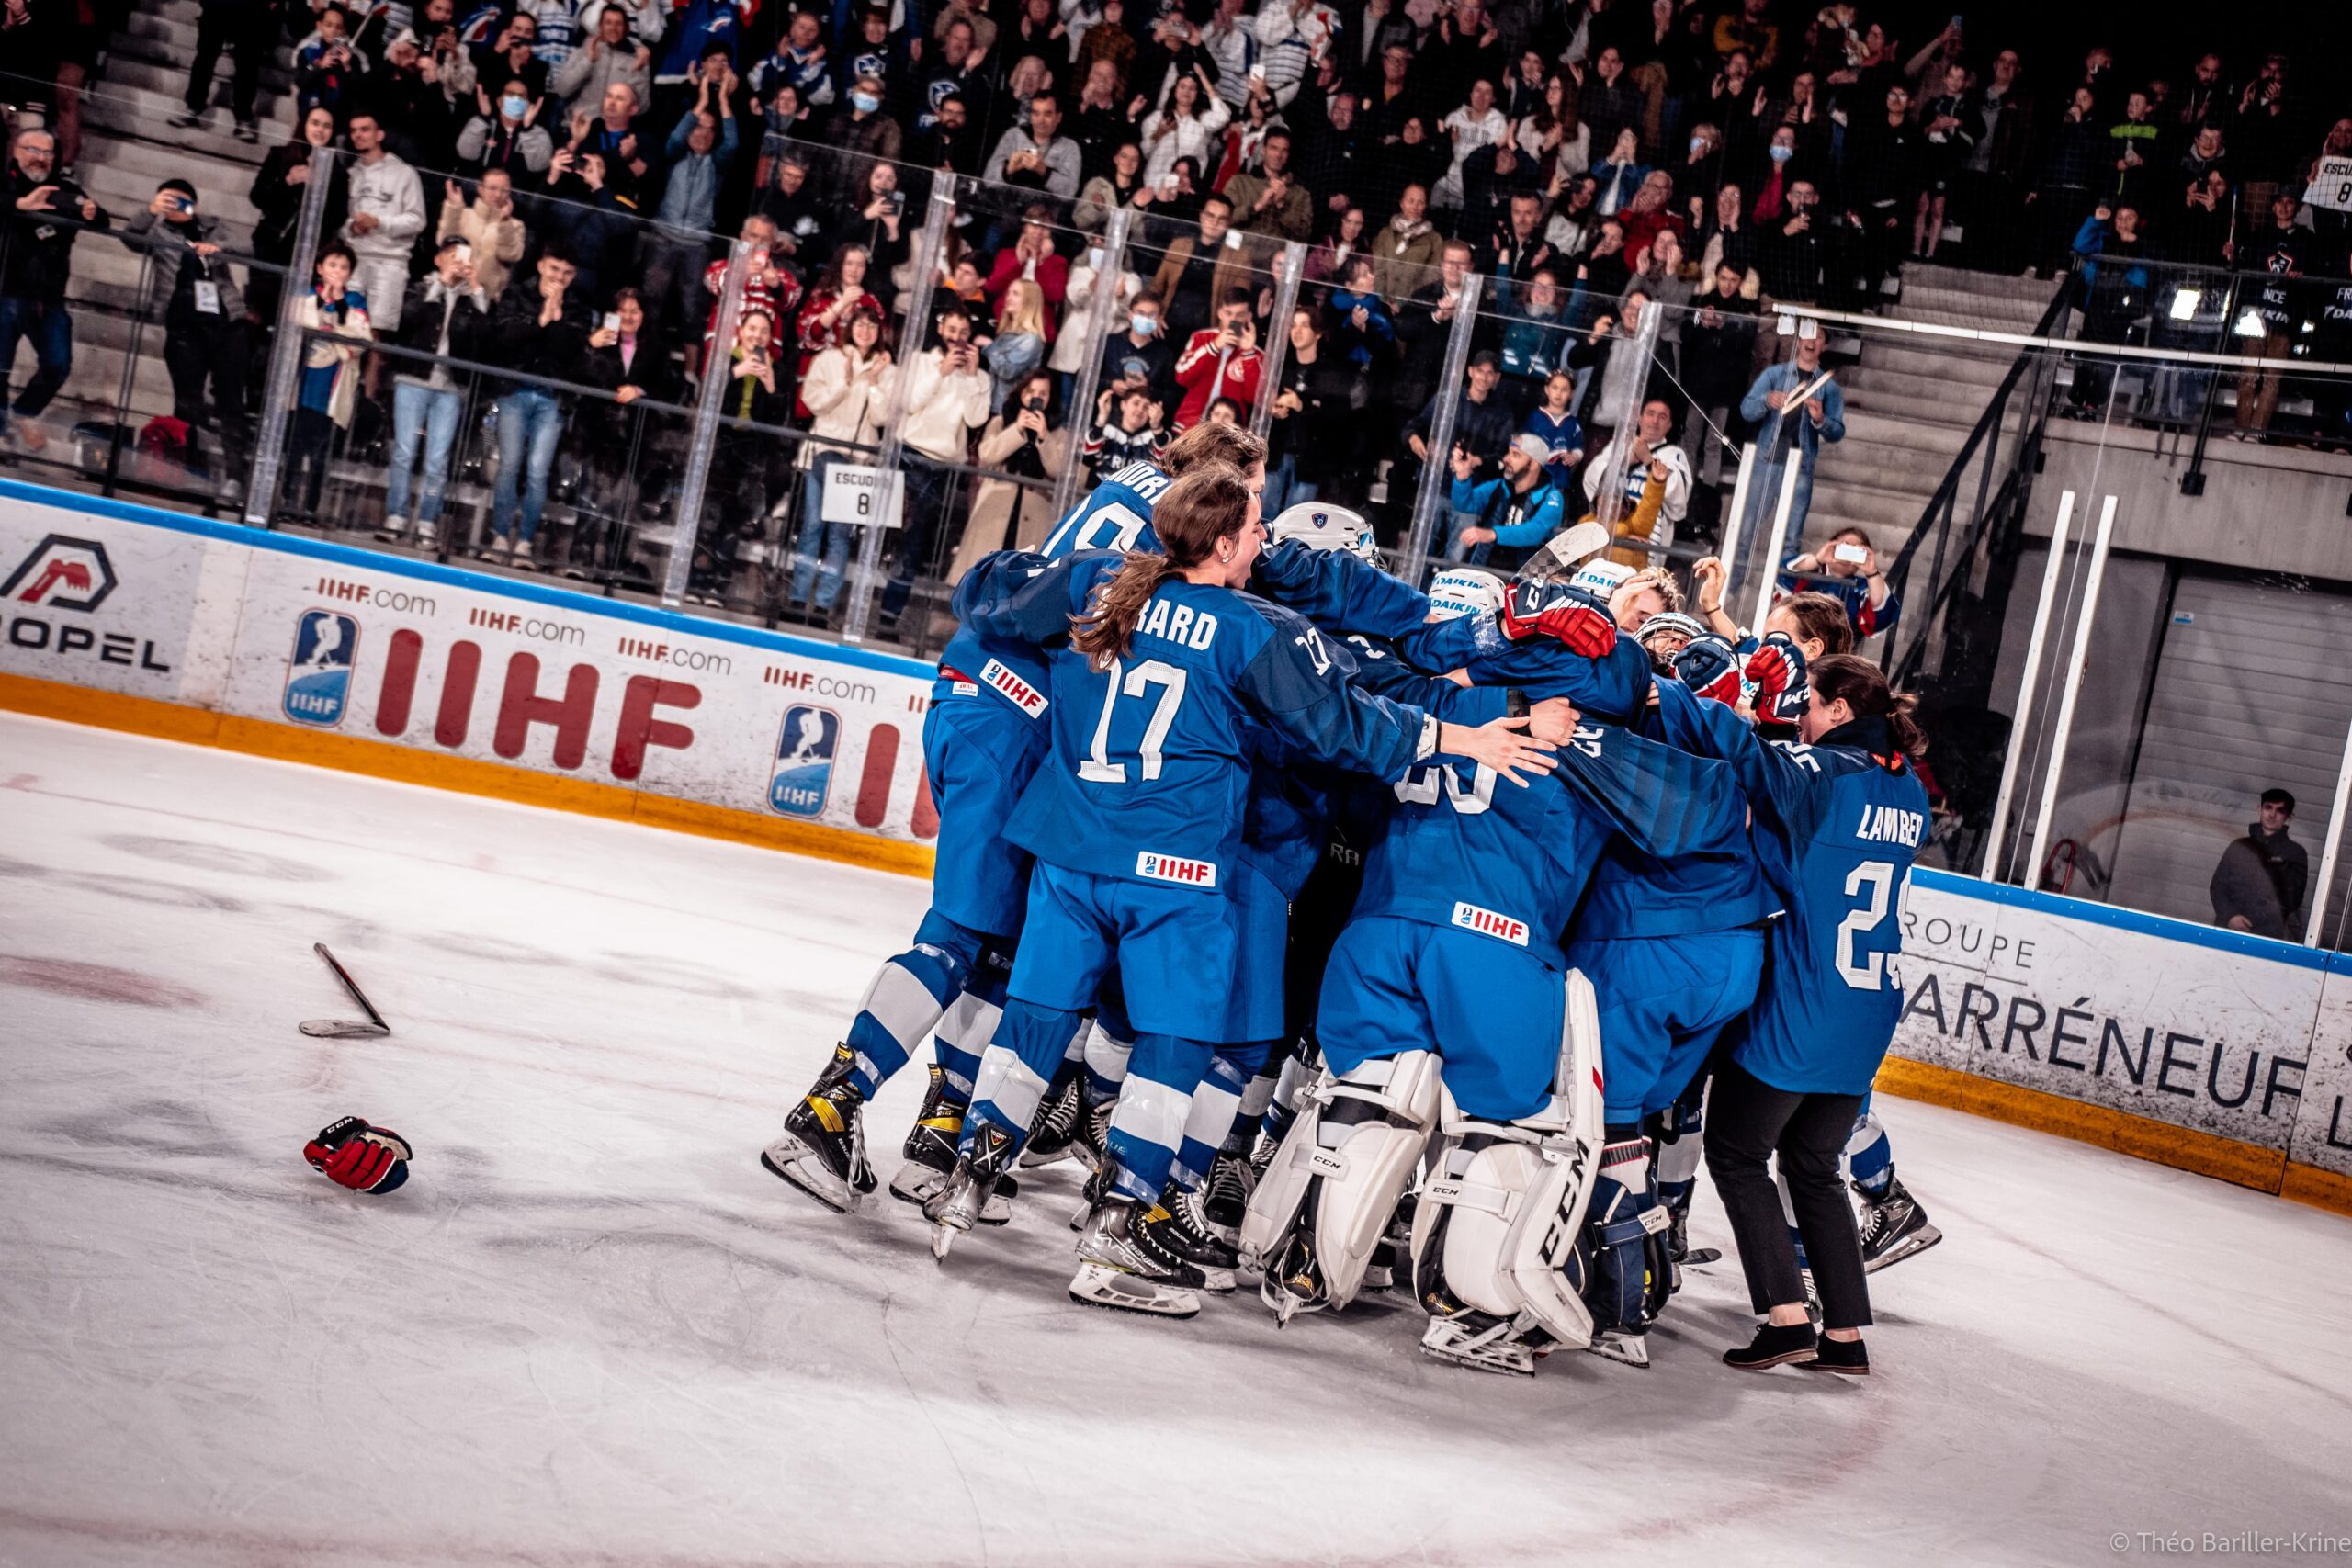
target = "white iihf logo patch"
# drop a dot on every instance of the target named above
(318, 675)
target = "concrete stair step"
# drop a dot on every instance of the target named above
(1870, 380)
(171, 43)
(1993, 312)
(275, 100)
(1933, 406)
(1933, 360)
(228, 163)
(1882, 512)
(1922, 438)
(146, 113)
(1964, 280)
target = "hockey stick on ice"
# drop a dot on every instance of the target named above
(375, 1028)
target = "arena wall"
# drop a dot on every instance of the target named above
(2202, 1049)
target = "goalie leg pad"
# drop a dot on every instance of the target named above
(1496, 1228)
(1353, 1148)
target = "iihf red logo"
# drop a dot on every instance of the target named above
(62, 573)
(1485, 922)
(1015, 689)
(1176, 868)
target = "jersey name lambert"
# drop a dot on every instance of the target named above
(1485, 922)
(1176, 868)
(1179, 624)
(1891, 825)
(1014, 690)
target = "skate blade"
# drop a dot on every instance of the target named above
(1699, 1256)
(1035, 1158)
(1286, 1304)
(1078, 1216)
(1099, 1284)
(796, 1165)
(1626, 1349)
(342, 1029)
(917, 1182)
(941, 1238)
(1919, 1241)
(1504, 1359)
(1217, 1282)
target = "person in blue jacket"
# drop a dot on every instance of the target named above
(1840, 816)
(983, 737)
(1512, 516)
(1162, 671)
(1799, 413)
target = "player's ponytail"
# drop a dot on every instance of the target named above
(1864, 690)
(1190, 517)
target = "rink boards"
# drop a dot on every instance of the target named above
(2202, 1049)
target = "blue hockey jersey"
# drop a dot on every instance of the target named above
(1465, 849)
(1719, 887)
(1615, 687)
(1151, 758)
(1837, 826)
(1114, 515)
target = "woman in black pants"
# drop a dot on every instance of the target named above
(1838, 816)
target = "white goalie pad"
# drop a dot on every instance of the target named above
(1508, 1201)
(1363, 1167)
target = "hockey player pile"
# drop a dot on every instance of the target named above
(1362, 937)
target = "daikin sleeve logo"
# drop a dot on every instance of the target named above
(62, 573)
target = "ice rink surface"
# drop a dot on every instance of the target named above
(592, 1330)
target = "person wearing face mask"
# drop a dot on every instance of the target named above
(193, 293)
(505, 133)
(864, 133)
(1139, 347)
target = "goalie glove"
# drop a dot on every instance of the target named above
(1709, 666)
(352, 1154)
(1777, 671)
(1570, 617)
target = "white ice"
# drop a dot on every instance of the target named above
(592, 1330)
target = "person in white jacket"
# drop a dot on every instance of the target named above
(1186, 125)
(948, 399)
(387, 215)
(848, 391)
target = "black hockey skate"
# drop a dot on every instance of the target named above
(1091, 1145)
(1177, 1229)
(1053, 1135)
(931, 1153)
(1121, 1266)
(1225, 1198)
(962, 1198)
(1894, 1228)
(1678, 1247)
(822, 1147)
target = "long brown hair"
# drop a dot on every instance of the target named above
(1865, 691)
(1191, 516)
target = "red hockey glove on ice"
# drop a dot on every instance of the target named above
(1570, 617)
(1709, 666)
(1777, 671)
(352, 1154)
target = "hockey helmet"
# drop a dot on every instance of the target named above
(1322, 527)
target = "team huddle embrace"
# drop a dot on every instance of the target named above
(1356, 937)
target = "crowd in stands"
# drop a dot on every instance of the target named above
(535, 185)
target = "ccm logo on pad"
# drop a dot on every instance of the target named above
(1485, 922)
(1175, 868)
(1015, 689)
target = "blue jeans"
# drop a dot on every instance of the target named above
(51, 331)
(832, 538)
(1285, 489)
(430, 412)
(526, 417)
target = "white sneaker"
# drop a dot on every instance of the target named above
(428, 536)
(500, 547)
(394, 528)
(523, 555)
